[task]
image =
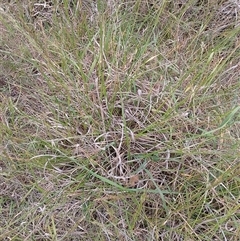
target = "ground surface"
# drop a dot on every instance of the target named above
(119, 120)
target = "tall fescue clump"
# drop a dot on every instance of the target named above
(119, 120)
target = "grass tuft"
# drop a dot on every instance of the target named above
(119, 120)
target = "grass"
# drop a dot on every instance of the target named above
(119, 120)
